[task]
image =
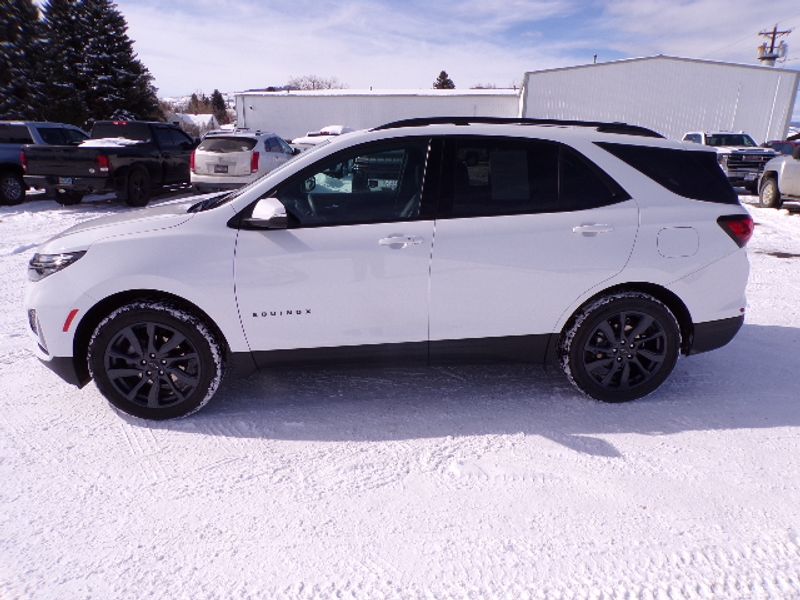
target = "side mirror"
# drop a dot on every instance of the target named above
(268, 213)
(796, 153)
(296, 151)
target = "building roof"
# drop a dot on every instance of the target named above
(664, 57)
(385, 92)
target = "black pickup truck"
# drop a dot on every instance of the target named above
(131, 158)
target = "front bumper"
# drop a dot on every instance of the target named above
(64, 367)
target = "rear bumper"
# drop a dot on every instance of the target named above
(84, 185)
(714, 334)
(212, 183)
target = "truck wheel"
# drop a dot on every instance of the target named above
(12, 189)
(770, 196)
(153, 360)
(68, 198)
(138, 187)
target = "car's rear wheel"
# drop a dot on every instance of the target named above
(12, 189)
(155, 361)
(769, 195)
(137, 187)
(621, 347)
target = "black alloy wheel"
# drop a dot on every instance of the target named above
(12, 189)
(622, 347)
(137, 188)
(155, 361)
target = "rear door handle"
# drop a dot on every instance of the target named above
(592, 228)
(398, 242)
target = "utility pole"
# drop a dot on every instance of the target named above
(769, 52)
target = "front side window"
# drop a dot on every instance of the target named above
(376, 184)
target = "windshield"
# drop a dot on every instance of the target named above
(731, 139)
(210, 203)
(227, 144)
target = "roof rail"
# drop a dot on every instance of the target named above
(601, 126)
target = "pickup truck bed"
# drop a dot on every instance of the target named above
(132, 159)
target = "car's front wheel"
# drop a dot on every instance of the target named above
(155, 361)
(621, 347)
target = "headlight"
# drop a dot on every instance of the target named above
(722, 158)
(42, 265)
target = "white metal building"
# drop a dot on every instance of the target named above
(668, 94)
(292, 114)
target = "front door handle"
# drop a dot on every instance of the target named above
(398, 242)
(591, 229)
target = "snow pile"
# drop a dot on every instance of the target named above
(115, 142)
(456, 482)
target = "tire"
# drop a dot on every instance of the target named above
(769, 195)
(154, 361)
(12, 188)
(68, 198)
(610, 367)
(137, 187)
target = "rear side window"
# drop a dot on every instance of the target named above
(227, 144)
(688, 173)
(121, 129)
(14, 134)
(493, 177)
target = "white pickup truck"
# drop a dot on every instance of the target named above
(739, 156)
(780, 180)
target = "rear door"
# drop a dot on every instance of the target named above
(525, 228)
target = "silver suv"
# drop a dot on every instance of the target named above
(231, 159)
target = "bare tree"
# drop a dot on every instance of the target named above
(314, 82)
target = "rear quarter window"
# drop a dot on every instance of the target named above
(227, 144)
(688, 173)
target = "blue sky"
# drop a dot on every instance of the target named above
(239, 44)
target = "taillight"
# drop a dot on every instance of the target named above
(23, 161)
(191, 163)
(739, 227)
(254, 163)
(103, 163)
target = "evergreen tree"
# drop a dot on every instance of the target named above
(21, 94)
(219, 108)
(116, 80)
(443, 82)
(62, 60)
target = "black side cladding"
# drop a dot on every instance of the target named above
(688, 173)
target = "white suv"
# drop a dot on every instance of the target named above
(226, 160)
(601, 247)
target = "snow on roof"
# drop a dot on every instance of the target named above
(401, 92)
(112, 142)
(202, 120)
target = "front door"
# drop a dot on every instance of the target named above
(352, 268)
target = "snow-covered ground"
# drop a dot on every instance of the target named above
(457, 482)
